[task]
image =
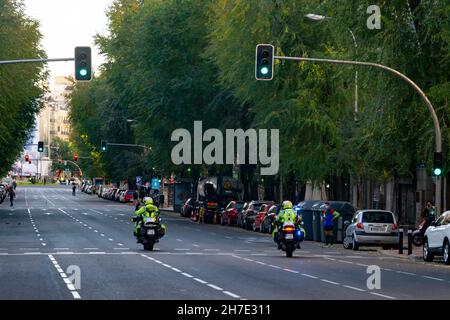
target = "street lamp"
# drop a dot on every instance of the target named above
(318, 17)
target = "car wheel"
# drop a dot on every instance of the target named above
(347, 244)
(446, 252)
(355, 245)
(427, 255)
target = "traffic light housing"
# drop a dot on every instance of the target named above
(83, 64)
(41, 146)
(437, 165)
(27, 158)
(75, 157)
(104, 146)
(264, 62)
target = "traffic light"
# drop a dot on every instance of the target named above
(104, 146)
(27, 158)
(41, 146)
(83, 64)
(437, 165)
(75, 157)
(264, 62)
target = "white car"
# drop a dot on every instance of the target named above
(437, 239)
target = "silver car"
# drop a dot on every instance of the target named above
(371, 227)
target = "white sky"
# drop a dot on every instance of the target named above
(66, 24)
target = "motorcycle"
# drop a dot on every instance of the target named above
(418, 234)
(290, 237)
(150, 231)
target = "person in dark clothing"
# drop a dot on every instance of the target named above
(12, 195)
(328, 217)
(74, 188)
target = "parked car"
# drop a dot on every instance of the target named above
(230, 213)
(129, 196)
(249, 215)
(371, 227)
(240, 216)
(260, 216)
(269, 219)
(437, 239)
(187, 207)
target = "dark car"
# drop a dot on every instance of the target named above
(269, 219)
(249, 215)
(187, 207)
(230, 213)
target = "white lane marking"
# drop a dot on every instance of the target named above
(187, 275)
(192, 277)
(343, 261)
(231, 294)
(90, 248)
(211, 249)
(196, 245)
(119, 244)
(214, 287)
(407, 273)
(60, 248)
(179, 240)
(200, 280)
(29, 211)
(433, 278)
(362, 264)
(228, 237)
(62, 210)
(328, 281)
(383, 295)
(68, 283)
(95, 230)
(242, 250)
(290, 270)
(32, 253)
(309, 276)
(97, 252)
(354, 288)
(181, 249)
(110, 239)
(102, 235)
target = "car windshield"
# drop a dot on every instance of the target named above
(377, 217)
(239, 206)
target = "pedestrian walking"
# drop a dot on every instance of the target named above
(12, 195)
(328, 217)
(14, 184)
(74, 188)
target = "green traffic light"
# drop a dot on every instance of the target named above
(264, 70)
(437, 171)
(83, 72)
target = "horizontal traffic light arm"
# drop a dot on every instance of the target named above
(128, 145)
(35, 60)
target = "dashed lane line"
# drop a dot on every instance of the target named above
(189, 276)
(68, 283)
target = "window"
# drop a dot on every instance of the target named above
(440, 220)
(377, 217)
(447, 219)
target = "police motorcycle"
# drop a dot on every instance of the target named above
(290, 237)
(150, 231)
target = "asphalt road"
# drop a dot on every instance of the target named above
(57, 246)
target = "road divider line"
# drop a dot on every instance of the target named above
(383, 295)
(433, 278)
(328, 281)
(354, 288)
(213, 286)
(63, 275)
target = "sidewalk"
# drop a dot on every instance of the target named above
(416, 252)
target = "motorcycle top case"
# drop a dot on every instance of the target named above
(299, 235)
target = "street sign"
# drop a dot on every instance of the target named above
(139, 181)
(155, 184)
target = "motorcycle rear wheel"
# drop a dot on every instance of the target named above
(289, 249)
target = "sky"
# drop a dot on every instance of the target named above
(66, 24)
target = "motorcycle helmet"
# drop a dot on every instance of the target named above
(148, 200)
(287, 204)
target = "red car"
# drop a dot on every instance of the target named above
(229, 215)
(260, 216)
(128, 197)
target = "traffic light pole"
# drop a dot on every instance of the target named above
(35, 60)
(437, 128)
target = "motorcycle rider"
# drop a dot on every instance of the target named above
(149, 210)
(286, 214)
